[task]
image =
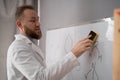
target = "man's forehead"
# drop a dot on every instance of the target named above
(31, 13)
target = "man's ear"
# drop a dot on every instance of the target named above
(18, 23)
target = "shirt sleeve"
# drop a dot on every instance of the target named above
(63, 67)
(25, 61)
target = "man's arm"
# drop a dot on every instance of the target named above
(27, 64)
(25, 61)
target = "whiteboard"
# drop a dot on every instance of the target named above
(95, 64)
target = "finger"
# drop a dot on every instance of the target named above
(89, 36)
(87, 48)
(88, 44)
(87, 41)
(86, 37)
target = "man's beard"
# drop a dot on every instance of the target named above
(32, 34)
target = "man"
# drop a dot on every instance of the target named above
(25, 60)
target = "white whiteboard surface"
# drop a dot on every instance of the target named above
(95, 64)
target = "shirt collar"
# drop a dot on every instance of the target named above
(26, 39)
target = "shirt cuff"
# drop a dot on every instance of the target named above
(73, 59)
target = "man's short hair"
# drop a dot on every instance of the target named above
(21, 9)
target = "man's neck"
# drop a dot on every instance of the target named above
(35, 41)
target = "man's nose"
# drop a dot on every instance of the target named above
(37, 23)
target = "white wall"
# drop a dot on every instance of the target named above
(64, 13)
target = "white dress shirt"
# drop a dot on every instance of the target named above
(25, 61)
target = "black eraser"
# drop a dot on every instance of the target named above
(94, 36)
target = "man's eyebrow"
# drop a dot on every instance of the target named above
(34, 17)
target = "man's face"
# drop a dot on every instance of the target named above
(31, 25)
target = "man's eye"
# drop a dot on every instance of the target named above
(32, 20)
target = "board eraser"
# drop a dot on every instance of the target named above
(94, 36)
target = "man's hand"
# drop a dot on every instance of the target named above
(82, 46)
